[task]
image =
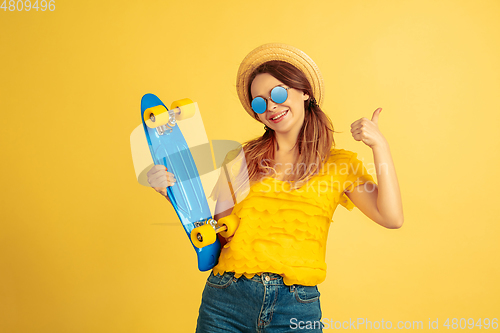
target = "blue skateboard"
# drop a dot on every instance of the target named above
(168, 147)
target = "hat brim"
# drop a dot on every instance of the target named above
(282, 52)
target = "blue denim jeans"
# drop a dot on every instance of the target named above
(260, 304)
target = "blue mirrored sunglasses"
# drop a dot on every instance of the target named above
(279, 95)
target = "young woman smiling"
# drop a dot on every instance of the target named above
(268, 270)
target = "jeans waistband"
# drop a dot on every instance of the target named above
(264, 278)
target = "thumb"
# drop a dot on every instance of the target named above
(375, 115)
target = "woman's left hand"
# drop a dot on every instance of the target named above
(367, 130)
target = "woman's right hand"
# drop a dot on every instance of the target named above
(159, 179)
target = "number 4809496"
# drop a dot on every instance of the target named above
(21, 5)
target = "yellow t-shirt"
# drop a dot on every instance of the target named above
(284, 231)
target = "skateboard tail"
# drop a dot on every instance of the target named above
(208, 256)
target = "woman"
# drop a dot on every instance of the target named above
(268, 271)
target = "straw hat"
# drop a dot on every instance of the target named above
(283, 52)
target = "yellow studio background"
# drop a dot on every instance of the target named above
(85, 248)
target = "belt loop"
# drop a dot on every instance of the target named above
(292, 288)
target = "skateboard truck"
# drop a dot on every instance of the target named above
(168, 126)
(205, 232)
(165, 128)
(164, 120)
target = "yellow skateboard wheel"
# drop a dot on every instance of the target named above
(160, 113)
(231, 222)
(187, 108)
(203, 236)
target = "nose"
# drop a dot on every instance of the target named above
(271, 104)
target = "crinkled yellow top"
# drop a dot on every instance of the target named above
(284, 231)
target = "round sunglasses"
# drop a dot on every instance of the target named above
(279, 95)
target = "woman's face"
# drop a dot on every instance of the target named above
(293, 107)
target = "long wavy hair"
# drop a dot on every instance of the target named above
(315, 139)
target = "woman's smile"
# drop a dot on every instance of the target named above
(277, 117)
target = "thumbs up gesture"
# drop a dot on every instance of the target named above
(367, 130)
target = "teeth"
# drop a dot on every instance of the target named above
(280, 115)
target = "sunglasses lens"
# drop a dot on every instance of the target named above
(279, 94)
(259, 105)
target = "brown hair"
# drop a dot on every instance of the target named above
(315, 138)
